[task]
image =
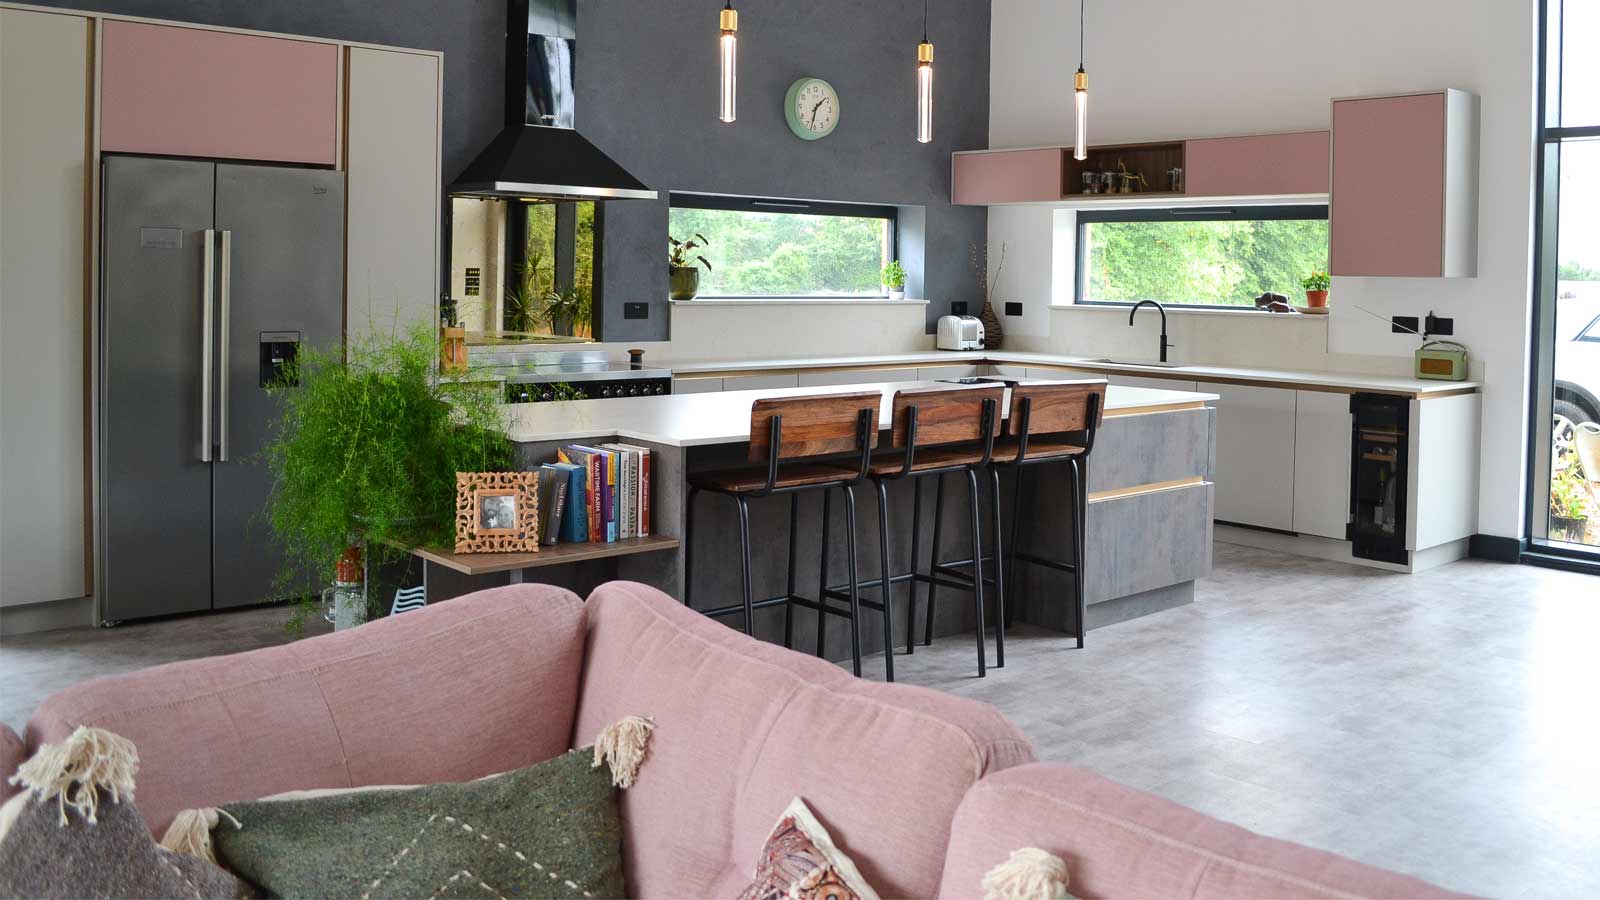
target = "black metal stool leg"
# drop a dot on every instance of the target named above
(888, 585)
(999, 578)
(822, 583)
(744, 560)
(977, 565)
(788, 606)
(855, 587)
(1080, 514)
(938, 523)
(688, 543)
(1016, 523)
(916, 555)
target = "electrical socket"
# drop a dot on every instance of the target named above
(1404, 325)
(1013, 309)
(958, 307)
(636, 310)
(1437, 325)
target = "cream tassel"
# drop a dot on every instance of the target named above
(622, 746)
(190, 832)
(75, 770)
(1030, 874)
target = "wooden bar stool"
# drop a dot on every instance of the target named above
(1051, 422)
(936, 431)
(810, 443)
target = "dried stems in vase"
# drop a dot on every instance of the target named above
(992, 332)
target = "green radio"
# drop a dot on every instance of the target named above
(1442, 361)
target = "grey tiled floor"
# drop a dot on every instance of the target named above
(1443, 724)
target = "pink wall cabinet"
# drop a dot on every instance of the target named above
(1404, 200)
(1258, 165)
(193, 92)
(982, 177)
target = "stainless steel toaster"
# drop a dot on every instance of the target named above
(960, 333)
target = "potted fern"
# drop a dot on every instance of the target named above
(364, 454)
(681, 261)
(894, 280)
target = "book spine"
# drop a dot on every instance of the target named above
(644, 493)
(596, 466)
(558, 506)
(631, 495)
(574, 527)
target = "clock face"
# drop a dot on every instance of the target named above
(812, 108)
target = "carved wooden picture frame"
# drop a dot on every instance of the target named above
(497, 512)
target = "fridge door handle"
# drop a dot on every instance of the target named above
(208, 280)
(222, 344)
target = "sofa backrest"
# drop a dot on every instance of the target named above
(477, 685)
(743, 726)
(12, 755)
(1121, 843)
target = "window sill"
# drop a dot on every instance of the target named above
(1187, 311)
(796, 301)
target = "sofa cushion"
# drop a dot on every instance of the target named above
(1122, 843)
(742, 727)
(12, 753)
(478, 684)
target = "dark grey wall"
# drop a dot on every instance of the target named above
(647, 95)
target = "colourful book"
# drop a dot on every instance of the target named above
(607, 491)
(642, 488)
(629, 503)
(575, 512)
(554, 480)
(593, 463)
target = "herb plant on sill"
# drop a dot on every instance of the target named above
(894, 279)
(365, 452)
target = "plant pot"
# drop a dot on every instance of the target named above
(350, 567)
(1316, 299)
(452, 349)
(992, 333)
(895, 293)
(562, 325)
(1586, 441)
(685, 282)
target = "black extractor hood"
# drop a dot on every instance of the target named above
(539, 154)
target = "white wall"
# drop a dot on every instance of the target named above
(1161, 70)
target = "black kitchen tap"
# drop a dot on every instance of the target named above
(1161, 309)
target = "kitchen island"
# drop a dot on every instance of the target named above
(1148, 531)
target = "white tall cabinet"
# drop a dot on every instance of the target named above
(393, 189)
(45, 96)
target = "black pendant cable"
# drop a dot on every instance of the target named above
(925, 82)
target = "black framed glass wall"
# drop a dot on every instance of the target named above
(1564, 451)
(787, 248)
(1210, 257)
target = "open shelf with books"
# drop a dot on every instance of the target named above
(559, 554)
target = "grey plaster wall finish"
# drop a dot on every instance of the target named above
(647, 89)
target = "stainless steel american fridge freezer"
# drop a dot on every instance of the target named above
(209, 272)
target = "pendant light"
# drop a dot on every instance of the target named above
(730, 62)
(1080, 97)
(925, 82)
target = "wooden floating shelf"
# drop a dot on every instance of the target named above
(560, 554)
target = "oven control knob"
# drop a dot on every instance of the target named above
(633, 390)
(605, 392)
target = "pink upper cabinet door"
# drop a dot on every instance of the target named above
(1387, 215)
(193, 92)
(1005, 176)
(1258, 165)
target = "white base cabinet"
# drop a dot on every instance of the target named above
(1255, 455)
(1322, 425)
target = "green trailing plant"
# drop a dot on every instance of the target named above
(1316, 281)
(894, 275)
(366, 450)
(681, 255)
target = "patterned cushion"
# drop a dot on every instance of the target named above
(800, 862)
(549, 830)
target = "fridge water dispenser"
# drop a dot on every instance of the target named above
(278, 350)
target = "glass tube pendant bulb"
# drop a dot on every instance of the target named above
(925, 92)
(1080, 100)
(730, 63)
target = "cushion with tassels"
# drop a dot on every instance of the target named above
(73, 831)
(548, 830)
(1029, 874)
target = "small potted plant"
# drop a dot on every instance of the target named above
(894, 280)
(1316, 285)
(681, 260)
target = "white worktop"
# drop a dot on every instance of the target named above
(690, 420)
(1338, 381)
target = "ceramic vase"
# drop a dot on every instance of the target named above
(685, 282)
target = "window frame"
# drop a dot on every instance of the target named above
(781, 205)
(1272, 212)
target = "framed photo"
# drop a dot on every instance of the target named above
(497, 512)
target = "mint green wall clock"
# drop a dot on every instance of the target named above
(812, 108)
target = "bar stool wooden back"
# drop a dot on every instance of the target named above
(1052, 422)
(806, 443)
(936, 431)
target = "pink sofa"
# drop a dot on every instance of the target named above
(927, 791)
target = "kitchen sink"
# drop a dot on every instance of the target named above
(1140, 363)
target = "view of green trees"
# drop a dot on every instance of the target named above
(786, 254)
(1214, 263)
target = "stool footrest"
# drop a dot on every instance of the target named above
(1045, 561)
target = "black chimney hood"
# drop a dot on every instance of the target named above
(539, 155)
